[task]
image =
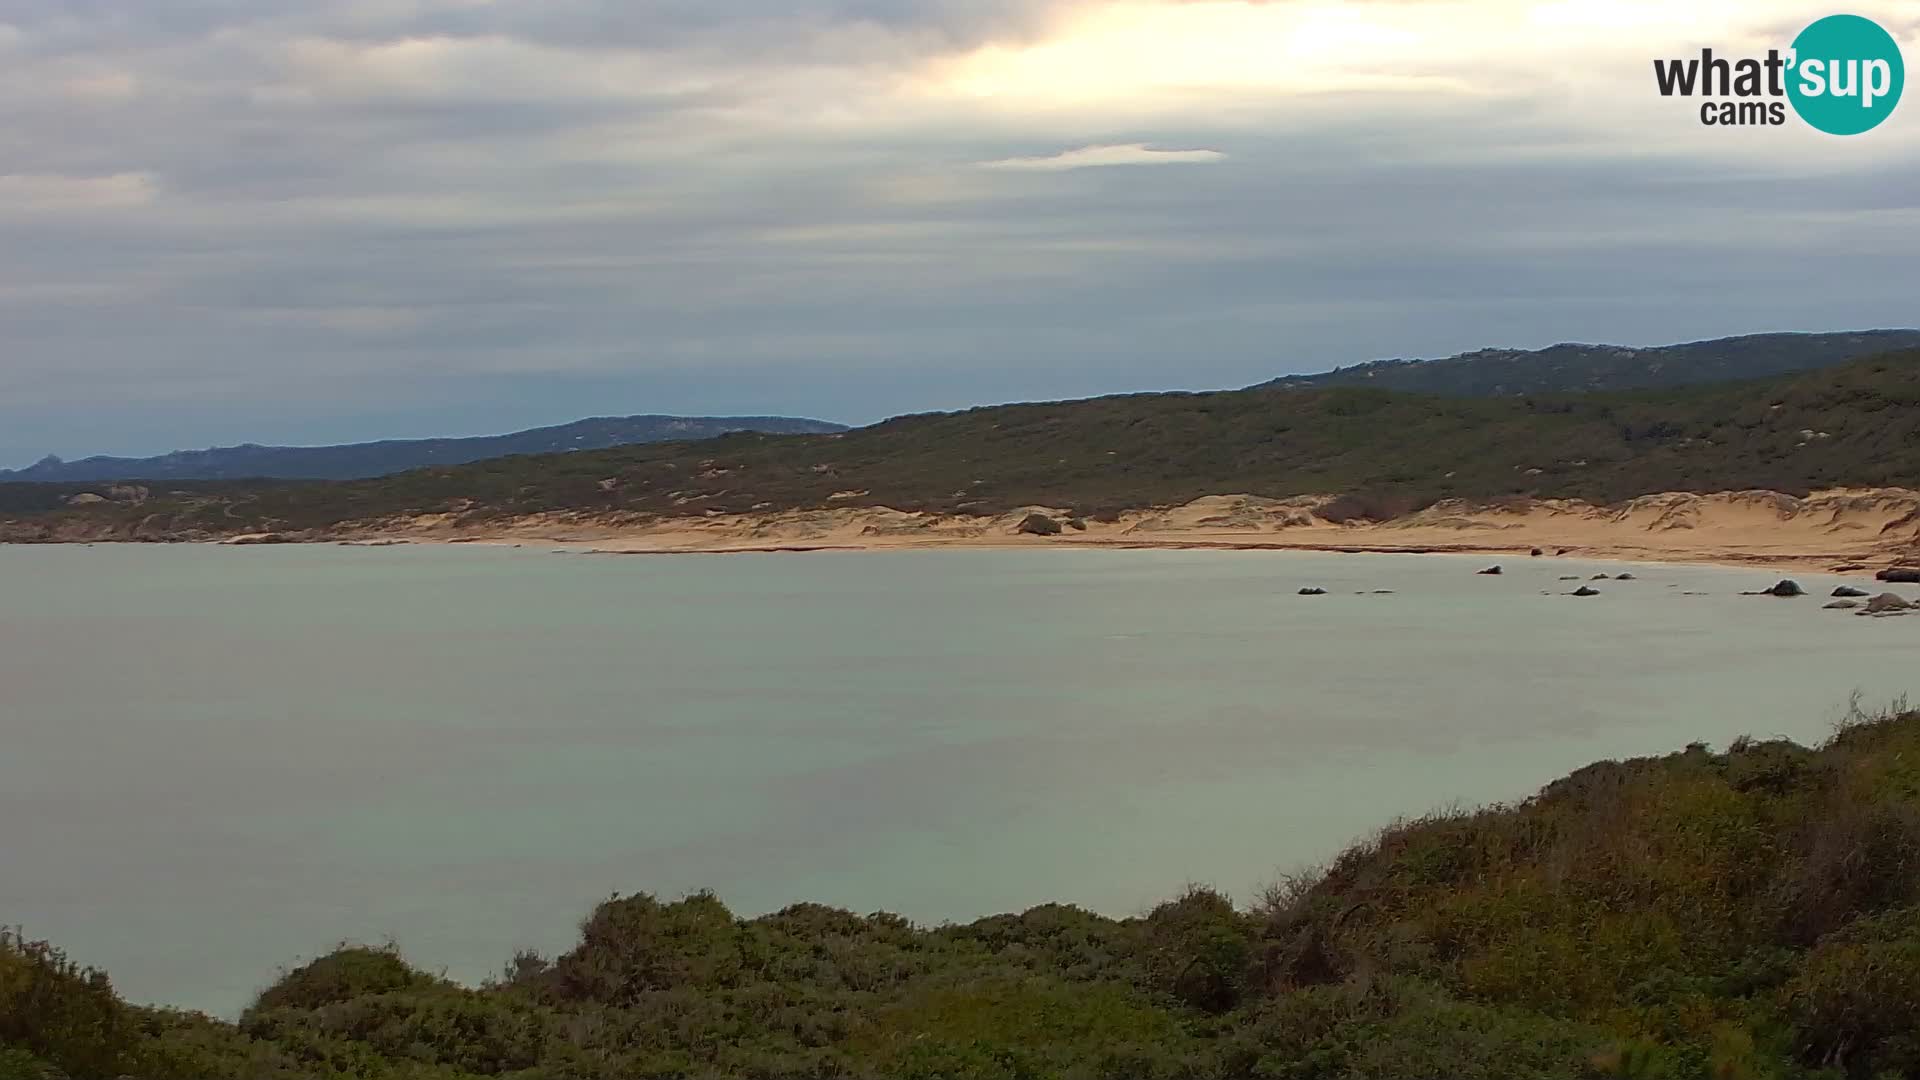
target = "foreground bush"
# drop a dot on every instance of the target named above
(1738, 916)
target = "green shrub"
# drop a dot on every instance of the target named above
(342, 975)
(54, 1012)
(1856, 1002)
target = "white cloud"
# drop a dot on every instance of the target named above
(1092, 157)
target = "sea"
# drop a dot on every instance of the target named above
(217, 762)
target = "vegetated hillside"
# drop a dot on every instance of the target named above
(1749, 914)
(1853, 425)
(356, 460)
(1569, 368)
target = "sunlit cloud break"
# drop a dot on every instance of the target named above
(1094, 157)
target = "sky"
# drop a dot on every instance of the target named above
(311, 221)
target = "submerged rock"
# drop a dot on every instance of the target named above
(1313, 590)
(1843, 605)
(1492, 571)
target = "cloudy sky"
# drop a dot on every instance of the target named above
(328, 220)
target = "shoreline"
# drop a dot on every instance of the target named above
(1843, 530)
(1838, 531)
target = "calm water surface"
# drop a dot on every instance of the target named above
(217, 761)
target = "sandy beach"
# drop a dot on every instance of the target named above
(1871, 528)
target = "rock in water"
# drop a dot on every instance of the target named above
(1492, 571)
(1787, 587)
(1902, 575)
(1843, 605)
(1585, 590)
(1887, 603)
(1849, 591)
(1624, 577)
(1313, 590)
(1038, 525)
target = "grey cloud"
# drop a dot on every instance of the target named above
(313, 260)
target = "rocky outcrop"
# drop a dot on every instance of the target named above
(1038, 525)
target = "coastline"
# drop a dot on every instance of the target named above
(1860, 529)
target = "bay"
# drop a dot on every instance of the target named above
(215, 762)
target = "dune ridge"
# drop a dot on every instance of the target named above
(1871, 526)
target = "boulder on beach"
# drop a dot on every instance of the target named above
(1585, 590)
(1038, 525)
(1843, 605)
(1849, 591)
(1901, 575)
(1888, 603)
(1492, 571)
(1313, 590)
(1536, 553)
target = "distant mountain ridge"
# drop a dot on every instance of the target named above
(1574, 368)
(354, 461)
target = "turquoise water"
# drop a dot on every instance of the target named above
(217, 761)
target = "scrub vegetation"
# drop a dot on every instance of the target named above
(1747, 914)
(1853, 425)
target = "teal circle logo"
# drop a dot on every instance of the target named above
(1846, 75)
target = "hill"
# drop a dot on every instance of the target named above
(1571, 369)
(358, 460)
(1748, 914)
(1854, 425)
